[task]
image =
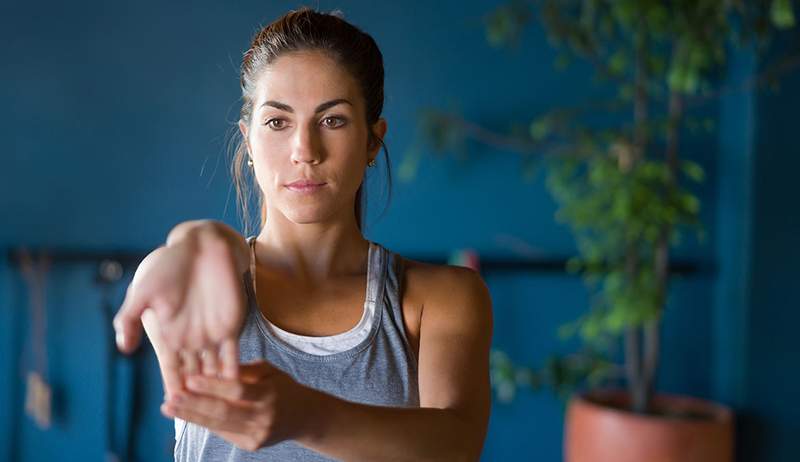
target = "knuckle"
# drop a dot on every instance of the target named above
(238, 391)
(213, 244)
(194, 342)
(161, 302)
(173, 342)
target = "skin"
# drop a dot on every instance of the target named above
(311, 245)
(311, 238)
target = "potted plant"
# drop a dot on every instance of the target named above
(623, 185)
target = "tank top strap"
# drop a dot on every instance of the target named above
(250, 242)
(393, 293)
(376, 277)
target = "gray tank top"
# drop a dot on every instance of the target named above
(380, 370)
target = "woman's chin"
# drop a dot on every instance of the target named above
(307, 215)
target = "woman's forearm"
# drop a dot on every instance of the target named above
(360, 432)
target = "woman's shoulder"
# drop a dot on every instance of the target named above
(450, 286)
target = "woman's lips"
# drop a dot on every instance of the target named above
(305, 188)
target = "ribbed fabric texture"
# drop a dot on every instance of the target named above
(380, 370)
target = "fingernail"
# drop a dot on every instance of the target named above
(120, 340)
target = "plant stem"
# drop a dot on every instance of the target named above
(640, 107)
(634, 366)
(633, 347)
(652, 337)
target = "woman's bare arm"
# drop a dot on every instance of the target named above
(455, 396)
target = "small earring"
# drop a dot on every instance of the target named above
(371, 163)
(250, 162)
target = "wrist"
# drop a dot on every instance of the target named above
(320, 412)
(205, 233)
(190, 229)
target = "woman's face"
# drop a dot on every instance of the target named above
(308, 123)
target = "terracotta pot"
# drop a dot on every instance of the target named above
(599, 429)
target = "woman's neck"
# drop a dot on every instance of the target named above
(312, 251)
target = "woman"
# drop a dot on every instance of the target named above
(266, 348)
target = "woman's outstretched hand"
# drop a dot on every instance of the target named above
(190, 296)
(262, 407)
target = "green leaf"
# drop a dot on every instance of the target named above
(504, 26)
(574, 264)
(562, 62)
(782, 14)
(693, 170)
(675, 78)
(540, 128)
(616, 320)
(617, 63)
(690, 203)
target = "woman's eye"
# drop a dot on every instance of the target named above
(337, 122)
(330, 122)
(270, 124)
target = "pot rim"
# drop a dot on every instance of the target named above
(716, 412)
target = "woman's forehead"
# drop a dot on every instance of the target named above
(305, 79)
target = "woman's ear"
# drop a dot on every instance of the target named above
(378, 132)
(243, 128)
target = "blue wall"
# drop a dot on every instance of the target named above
(113, 130)
(771, 411)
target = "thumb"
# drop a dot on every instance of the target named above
(128, 323)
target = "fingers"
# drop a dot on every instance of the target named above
(209, 361)
(245, 388)
(176, 366)
(209, 412)
(128, 324)
(229, 357)
(230, 428)
(190, 363)
(231, 390)
(170, 373)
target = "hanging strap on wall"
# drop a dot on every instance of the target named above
(120, 394)
(38, 393)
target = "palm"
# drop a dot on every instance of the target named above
(190, 297)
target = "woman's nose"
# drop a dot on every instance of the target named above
(305, 146)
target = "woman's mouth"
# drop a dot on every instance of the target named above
(305, 187)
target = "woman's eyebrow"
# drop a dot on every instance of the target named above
(320, 108)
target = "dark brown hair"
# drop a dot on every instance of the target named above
(308, 30)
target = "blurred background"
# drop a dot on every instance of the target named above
(115, 118)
